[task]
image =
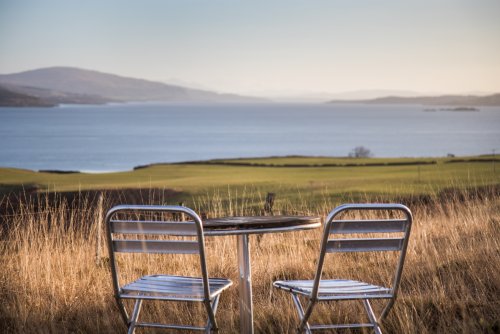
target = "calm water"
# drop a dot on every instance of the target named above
(119, 137)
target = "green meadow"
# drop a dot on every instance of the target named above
(288, 177)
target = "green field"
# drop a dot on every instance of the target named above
(290, 177)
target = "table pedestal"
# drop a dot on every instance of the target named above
(245, 284)
(242, 227)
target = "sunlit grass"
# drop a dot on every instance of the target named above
(50, 281)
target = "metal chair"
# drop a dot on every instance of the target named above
(149, 226)
(319, 290)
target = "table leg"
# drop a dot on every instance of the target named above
(245, 284)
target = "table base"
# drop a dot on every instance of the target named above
(245, 284)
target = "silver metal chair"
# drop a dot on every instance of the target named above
(153, 228)
(319, 290)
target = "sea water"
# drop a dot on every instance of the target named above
(121, 136)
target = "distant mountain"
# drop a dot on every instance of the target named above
(321, 96)
(447, 100)
(369, 94)
(92, 85)
(47, 97)
(9, 98)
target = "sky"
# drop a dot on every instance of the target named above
(264, 47)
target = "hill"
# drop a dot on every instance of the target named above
(41, 97)
(9, 98)
(68, 81)
(447, 100)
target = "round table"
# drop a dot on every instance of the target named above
(242, 227)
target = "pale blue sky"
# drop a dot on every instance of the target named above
(264, 46)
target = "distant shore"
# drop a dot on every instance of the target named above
(458, 109)
(291, 161)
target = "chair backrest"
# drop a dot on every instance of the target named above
(335, 226)
(151, 222)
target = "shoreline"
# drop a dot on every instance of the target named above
(274, 162)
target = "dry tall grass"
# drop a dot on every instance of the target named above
(50, 282)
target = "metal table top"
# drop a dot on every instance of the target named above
(258, 224)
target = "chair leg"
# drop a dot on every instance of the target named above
(135, 316)
(371, 316)
(386, 309)
(123, 310)
(212, 310)
(300, 310)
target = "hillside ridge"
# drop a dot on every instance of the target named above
(441, 100)
(99, 87)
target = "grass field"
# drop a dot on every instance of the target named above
(50, 281)
(193, 180)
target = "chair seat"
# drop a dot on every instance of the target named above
(173, 287)
(336, 289)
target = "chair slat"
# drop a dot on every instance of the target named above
(368, 226)
(192, 291)
(364, 245)
(156, 246)
(339, 326)
(153, 227)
